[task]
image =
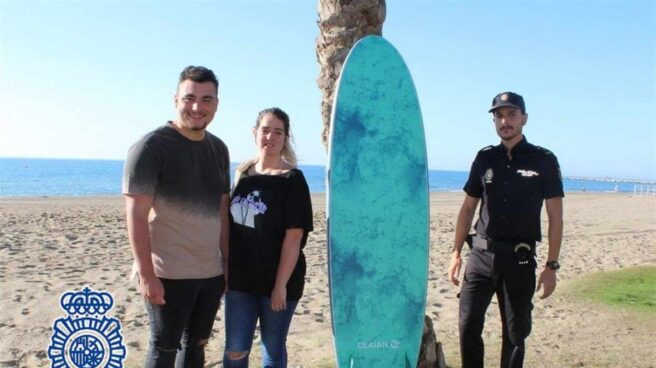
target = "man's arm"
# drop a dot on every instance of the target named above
(463, 225)
(138, 208)
(224, 240)
(554, 207)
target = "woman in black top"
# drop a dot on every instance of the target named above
(271, 216)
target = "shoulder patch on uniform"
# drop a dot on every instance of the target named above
(544, 150)
(485, 148)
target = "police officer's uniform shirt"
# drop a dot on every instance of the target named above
(512, 191)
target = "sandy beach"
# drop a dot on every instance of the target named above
(51, 245)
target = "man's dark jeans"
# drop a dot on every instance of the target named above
(184, 323)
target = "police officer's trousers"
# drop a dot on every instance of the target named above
(512, 278)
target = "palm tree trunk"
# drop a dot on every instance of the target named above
(341, 24)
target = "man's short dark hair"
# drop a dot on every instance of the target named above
(198, 74)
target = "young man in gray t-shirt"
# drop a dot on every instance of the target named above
(176, 185)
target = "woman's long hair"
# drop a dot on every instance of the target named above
(287, 153)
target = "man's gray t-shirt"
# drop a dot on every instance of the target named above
(186, 180)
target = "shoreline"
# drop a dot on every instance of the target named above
(314, 195)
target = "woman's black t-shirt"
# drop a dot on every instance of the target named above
(262, 208)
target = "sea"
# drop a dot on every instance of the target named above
(22, 177)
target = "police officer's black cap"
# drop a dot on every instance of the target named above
(509, 99)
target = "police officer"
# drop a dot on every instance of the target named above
(511, 181)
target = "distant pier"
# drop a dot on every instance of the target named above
(612, 180)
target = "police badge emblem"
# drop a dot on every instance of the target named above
(86, 338)
(488, 176)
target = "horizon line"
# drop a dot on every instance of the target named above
(570, 177)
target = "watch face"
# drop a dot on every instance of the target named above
(554, 265)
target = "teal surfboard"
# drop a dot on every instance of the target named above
(377, 211)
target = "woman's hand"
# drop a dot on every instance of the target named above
(279, 298)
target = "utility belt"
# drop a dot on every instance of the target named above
(501, 247)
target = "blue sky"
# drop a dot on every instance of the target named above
(87, 79)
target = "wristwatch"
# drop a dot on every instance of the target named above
(554, 265)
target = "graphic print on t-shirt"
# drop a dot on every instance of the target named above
(243, 210)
